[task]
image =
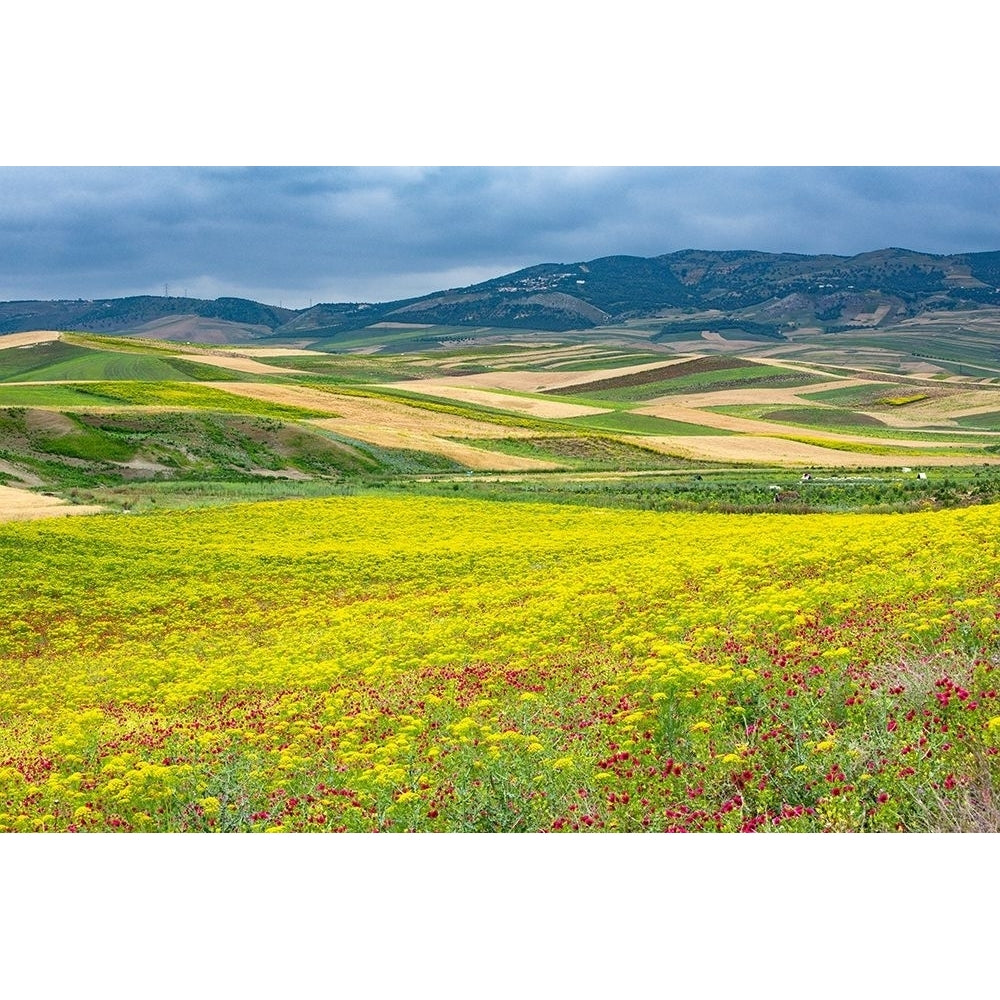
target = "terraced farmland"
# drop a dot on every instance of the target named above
(327, 422)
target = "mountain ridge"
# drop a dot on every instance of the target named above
(770, 291)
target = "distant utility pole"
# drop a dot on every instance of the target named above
(166, 290)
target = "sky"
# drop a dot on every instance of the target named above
(300, 235)
(816, 126)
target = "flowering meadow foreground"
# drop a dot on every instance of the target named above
(359, 664)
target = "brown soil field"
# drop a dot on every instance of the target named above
(764, 396)
(142, 465)
(238, 363)
(522, 381)
(201, 330)
(386, 325)
(658, 373)
(23, 505)
(596, 356)
(551, 355)
(947, 407)
(48, 422)
(27, 339)
(977, 319)
(281, 474)
(451, 389)
(748, 426)
(704, 418)
(783, 353)
(873, 318)
(689, 347)
(290, 395)
(757, 449)
(919, 368)
(714, 337)
(267, 352)
(359, 411)
(24, 477)
(389, 436)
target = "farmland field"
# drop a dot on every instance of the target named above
(454, 405)
(370, 664)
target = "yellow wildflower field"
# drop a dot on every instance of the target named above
(396, 663)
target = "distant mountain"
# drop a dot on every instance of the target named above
(764, 292)
(136, 313)
(772, 289)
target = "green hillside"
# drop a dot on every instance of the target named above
(57, 361)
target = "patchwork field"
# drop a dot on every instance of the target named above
(127, 423)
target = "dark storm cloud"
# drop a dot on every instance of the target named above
(324, 234)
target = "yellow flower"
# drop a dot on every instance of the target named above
(211, 806)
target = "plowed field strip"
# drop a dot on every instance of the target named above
(28, 339)
(268, 352)
(960, 404)
(23, 505)
(365, 411)
(396, 437)
(25, 477)
(746, 425)
(764, 396)
(239, 364)
(520, 381)
(753, 448)
(500, 401)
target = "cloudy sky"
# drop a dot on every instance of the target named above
(301, 235)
